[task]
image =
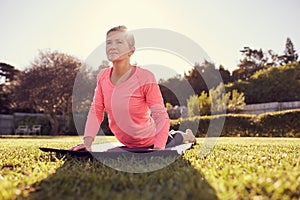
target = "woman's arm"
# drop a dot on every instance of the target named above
(94, 119)
(96, 112)
(159, 114)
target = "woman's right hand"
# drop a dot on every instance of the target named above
(78, 147)
(87, 145)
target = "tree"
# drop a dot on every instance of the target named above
(84, 87)
(252, 61)
(203, 77)
(47, 86)
(225, 74)
(83, 91)
(176, 90)
(273, 84)
(7, 73)
(8, 79)
(274, 59)
(200, 78)
(290, 54)
(257, 57)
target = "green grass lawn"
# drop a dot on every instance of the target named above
(237, 168)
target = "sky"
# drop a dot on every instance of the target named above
(77, 27)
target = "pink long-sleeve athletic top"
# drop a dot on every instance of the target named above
(135, 109)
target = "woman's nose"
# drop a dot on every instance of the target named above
(112, 46)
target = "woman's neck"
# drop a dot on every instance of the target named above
(121, 67)
(121, 72)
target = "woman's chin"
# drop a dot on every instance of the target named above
(113, 58)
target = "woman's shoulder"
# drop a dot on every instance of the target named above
(104, 72)
(145, 73)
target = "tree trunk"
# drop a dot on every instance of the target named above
(67, 118)
(54, 124)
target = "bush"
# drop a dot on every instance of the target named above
(280, 124)
(193, 106)
(240, 125)
(234, 125)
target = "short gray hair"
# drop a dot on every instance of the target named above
(129, 36)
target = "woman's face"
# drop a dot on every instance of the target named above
(117, 47)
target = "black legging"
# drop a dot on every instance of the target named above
(175, 138)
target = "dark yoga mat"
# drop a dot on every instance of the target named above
(116, 149)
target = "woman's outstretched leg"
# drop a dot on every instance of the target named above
(179, 137)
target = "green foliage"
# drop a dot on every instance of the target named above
(235, 101)
(201, 77)
(175, 90)
(8, 80)
(280, 124)
(218, 99)
(204, 104)
(273, 84)
(254, 60)
(216, 102)
(290, 54)
(193, 106)
(240, 125)
(236, 168)
(235, 125)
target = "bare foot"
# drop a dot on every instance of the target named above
(188, 136)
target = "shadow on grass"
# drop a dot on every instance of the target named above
(80, 178)
(28, 136)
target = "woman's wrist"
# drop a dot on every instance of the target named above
(88, 141)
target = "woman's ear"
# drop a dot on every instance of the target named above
(131, 51)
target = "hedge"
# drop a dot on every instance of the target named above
(280, 124)
(275, 124)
